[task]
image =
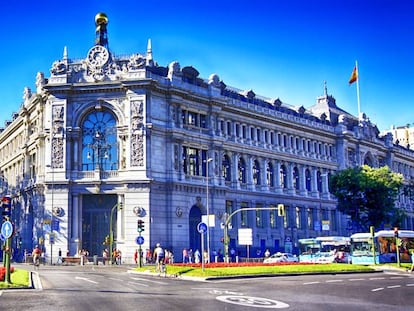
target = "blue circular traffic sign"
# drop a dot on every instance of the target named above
(7, 229)
(202, 227)
(140, 240)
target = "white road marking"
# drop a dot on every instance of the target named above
(355, 280)
(253, 302)
(310, 283)
(334, 281)
(375, 279)
(394, 286)
(85, 279)
(377, 289)
(149, 281)
(138, 284)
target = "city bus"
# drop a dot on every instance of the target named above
(385, 247)
(325, 249)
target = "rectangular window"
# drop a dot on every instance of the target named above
(273, 217)
(229, 210)
(310, 218)
(333, 226)
(192, 118)
(298, 218)
(259, 216)
(286, 218)
(203, 121)
(243, 214)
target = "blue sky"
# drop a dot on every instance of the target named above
(279, 49)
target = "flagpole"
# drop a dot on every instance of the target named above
(357, 89)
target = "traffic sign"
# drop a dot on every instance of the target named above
(202, 227)
(139, 240)
(7, 229)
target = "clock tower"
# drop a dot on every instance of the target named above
(99, 55)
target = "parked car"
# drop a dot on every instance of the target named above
(281, 257)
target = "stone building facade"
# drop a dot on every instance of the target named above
(106, 141)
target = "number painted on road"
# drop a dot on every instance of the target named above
(255, 302)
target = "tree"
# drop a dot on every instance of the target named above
(368, 195)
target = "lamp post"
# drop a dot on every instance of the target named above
(208, 210)
(117, 206)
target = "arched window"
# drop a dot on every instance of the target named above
(269, 175)
(295, 176)
(282, 176)
(308, 180)
(226, 168)
(319, 181)
(99, 141)
(242, 171)
(256, 172)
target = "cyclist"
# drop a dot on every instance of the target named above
(36, 255)
(159, 257)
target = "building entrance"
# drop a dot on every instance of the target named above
(195, 236)
(96, 213)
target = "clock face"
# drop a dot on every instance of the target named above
(98, 56)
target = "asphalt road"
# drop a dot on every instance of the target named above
(114, 288)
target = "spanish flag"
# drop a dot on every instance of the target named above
(354, 75)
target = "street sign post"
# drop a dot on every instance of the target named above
(202, 228)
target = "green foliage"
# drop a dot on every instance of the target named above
(258, 269)
(19, 279)
(368, 195)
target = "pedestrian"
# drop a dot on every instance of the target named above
(185, 255)
(136, 256)
(148, 256)
(158, 257)
(105, 255)
(233, 254)
(412, 260)
(118, 256)
(190, 255)
(205, 257)
(197, 256)
(60, 258)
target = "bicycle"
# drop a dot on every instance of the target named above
(36, 261)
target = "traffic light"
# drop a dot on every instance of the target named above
(280, 210)
(140, 226)
(396, 232)
(6, 204)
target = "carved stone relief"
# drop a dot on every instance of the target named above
(137, 139)
(58, 114)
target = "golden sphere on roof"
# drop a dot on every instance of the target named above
(101, 18)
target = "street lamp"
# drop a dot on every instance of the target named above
(208, 210)
(117, 206)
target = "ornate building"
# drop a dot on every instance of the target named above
(106, 141)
